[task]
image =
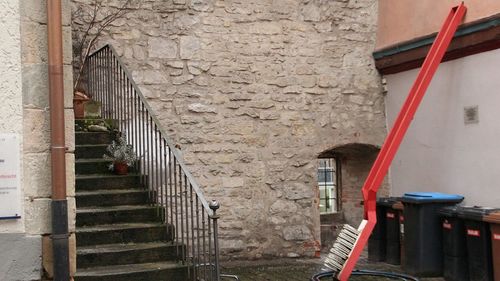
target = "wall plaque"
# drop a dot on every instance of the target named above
(10, 181)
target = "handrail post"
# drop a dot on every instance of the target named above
(109, 88)
(214, 206)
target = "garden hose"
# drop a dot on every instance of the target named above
(391, 275)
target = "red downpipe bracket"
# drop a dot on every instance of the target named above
(398, 131)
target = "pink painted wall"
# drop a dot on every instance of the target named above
(403, 20)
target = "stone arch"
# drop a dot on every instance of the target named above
(350, 150)
(353, 163)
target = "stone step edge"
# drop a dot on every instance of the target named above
(118, 227)
(92, 145)
(127, 269)
(110, 192)
(91, 160)
(91, 132)
(105, 176)
(91, 210)
(119, 247)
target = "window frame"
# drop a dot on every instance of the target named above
(329, 191)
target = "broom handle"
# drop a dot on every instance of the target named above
(417, 92)
(395, 136)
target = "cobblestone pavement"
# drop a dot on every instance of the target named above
(296, 270)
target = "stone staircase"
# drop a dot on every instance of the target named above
(120, 235)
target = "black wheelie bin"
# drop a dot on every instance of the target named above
(494, 220)
(423, 236)
(454, 245)
(478, 236)
(393, 245)
(377, 242)
(399, 207)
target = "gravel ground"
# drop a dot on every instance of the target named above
(297, 270)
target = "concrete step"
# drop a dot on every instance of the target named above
(100, 166)
(112, 197)
(82, 138)
(81, 121)
(96, 182)
(86, 151)
(92, 166)
(162, 271)
(123, 233)
(117, 254)
(119, 235)
(116, 214)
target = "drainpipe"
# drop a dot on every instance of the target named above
(59, 204)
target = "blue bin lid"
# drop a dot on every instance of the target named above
(431, 197)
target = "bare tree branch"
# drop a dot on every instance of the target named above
(97, 21)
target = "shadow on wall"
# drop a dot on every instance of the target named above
(353, 163)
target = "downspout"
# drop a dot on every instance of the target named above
(59, 203)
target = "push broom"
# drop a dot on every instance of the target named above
(350, 243)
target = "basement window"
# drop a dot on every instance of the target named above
(327, 184)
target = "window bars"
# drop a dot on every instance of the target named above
(327, 184)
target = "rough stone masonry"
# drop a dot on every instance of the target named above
(253, 91)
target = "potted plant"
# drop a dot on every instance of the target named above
(121, 154)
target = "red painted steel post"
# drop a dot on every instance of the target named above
(401, 125)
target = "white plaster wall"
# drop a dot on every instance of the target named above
(11, 99)
(441, 153)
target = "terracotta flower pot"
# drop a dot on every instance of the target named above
(79, 100)
(120, 168)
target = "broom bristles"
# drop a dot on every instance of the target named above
(342, 248)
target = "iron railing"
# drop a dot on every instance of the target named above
(171, 186)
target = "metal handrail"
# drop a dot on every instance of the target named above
(172, 187)
(196, 187)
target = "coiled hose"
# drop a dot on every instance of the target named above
(391, 275)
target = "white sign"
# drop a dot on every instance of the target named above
(10, 201)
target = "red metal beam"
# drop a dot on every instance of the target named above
(398, 131)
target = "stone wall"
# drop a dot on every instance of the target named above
(253, 91)
(25, 111)
(354, 173)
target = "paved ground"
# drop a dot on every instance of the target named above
(296, 270)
